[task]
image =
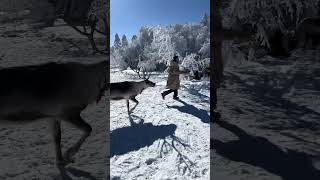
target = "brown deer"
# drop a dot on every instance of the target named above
(56, 92)
(129, 90)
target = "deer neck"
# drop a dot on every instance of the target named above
(101, 70)
(142, 85)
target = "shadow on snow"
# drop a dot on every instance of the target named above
(136, 136)
(190, 109)
(75, 172)
(272, 96)
(260, 152)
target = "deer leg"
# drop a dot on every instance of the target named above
(78, 122)
(56, 132)
(134, 100)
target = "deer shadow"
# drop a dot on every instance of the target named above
(136, 136)
(190, 109)
(260, 152)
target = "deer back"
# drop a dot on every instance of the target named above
(49, 88)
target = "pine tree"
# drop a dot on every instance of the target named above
(124, 41)
(134, 38)
(117, 43)
(205, 20)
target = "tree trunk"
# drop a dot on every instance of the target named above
(216, 66)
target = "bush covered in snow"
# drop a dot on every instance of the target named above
(268, 15)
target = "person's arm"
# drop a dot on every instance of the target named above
(184, 71)
(175, 70)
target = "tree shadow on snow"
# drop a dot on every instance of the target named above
(260, 152)
(136, 136)
(195, 92)
(190, 109)
(75, 172)
(268, 95)
(132, 122)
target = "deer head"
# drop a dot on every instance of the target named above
(149, 83)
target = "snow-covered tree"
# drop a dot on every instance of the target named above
(266, 15)
(262, 16)
(134, 38)
(205, 49)
(162, 47)
(124, 41)
(145, 36)
(205, 20)
(202, 37)
(99, 11)
(155, 46)
(117, 42)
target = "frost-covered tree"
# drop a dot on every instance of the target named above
(205, 20)
(162, 47)
(88, 17)
(261, 16)
(117, 42)
(202, 37)
(124, 41)
(129, 55)
(134, 38)
(205, 49)
(259, 19)
(98, 21)
(145, 36)
(155, 46)
(146, 62)
(99, 12)
(267, 15)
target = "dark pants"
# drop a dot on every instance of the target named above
(175, 92)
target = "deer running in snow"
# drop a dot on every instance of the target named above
(129, 90)
(56, 92)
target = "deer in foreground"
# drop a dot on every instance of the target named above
(129, 90)
(53, 92)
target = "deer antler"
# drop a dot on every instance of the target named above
(145, 74)
(149, 74)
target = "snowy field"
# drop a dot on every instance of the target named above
(163, 139)
(270, 120)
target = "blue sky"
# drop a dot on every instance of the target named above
(127, 16)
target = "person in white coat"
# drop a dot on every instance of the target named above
(173, 82)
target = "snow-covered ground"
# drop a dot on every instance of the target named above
(166, 139)
(270, 120)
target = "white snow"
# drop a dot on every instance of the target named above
(143, 149)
